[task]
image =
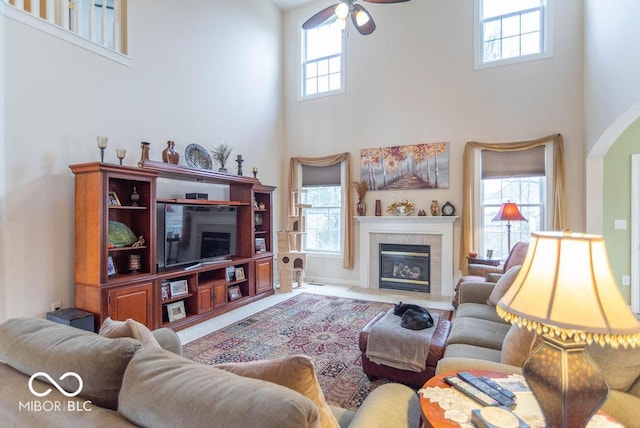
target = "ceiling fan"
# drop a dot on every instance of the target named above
(361, 19)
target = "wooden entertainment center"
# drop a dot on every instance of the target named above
(125, 282)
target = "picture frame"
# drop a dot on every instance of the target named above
(261, 245)
(234, 292)
(240, 274)
(175, 311)
(179, 288)
(112, 199)
(165, 291)
(112, 271)
(230, 272)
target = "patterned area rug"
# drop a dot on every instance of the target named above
(323, 327)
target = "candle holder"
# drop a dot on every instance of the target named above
(239, 160)
(121, 153)
(254, 170)
(103, 142)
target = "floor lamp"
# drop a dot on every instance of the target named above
(509, 212)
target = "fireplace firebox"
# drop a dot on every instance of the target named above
(405, 267)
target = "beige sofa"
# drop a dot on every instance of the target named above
(127, 384)
(479, 339)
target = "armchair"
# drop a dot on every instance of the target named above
(485, 273)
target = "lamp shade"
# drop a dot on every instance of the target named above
(565, 288)
(509, 212)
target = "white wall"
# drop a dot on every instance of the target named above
(612, 89)
(413, 81)
(612, 63)
(200, 74)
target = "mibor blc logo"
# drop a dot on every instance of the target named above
(55, 405)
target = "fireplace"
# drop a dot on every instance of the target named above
(405, 267)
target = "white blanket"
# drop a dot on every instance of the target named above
(392, 345)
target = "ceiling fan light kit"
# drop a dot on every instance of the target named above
(361, 19)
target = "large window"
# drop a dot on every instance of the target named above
(322, 60)
(322, 187)
(323, 219)
(509, 31)
(518, 177)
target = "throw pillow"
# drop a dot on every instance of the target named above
(621, 367)
(129, 328)
(503, 284)
(296, 372)
(518, 344)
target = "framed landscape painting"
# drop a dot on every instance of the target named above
(417, 166)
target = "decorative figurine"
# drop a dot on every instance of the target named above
(239, 160)
(135, 197)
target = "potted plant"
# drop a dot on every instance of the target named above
(221, 154)
(361, 190)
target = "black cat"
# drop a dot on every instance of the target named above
(414, 317)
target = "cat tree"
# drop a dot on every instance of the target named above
(292, 260)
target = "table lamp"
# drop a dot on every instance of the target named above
(509, 212)
(565, 291)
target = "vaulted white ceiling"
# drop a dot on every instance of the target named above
(290, 4)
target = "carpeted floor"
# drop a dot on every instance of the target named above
(325, 328)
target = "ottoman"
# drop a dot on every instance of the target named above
(407, 377)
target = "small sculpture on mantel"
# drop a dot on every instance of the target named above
(239, 160)
(170, 154)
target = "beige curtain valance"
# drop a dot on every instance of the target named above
(468, 197)
(347, 256)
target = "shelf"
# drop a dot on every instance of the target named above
(114, 250)
(205, 175)
(201, 202)
(178, 298)
(240, 281)
(261, 232)
(125, 207)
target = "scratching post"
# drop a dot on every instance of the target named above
(292, 260)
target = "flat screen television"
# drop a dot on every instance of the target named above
(190, 234)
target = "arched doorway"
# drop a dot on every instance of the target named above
(594, 194)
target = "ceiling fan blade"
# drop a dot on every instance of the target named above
(386, 1)
(320, 17)
(362, 20)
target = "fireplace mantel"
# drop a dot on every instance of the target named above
(431, 227)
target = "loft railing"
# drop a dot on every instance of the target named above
(99, 21)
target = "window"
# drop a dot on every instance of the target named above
(323, 219)
(518, 177)
(510, 31)
(323, 188)
(322, 62)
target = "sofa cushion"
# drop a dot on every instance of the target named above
(478, 310)
(32, 345)
(461, 350)
(621, 367)
(502, 286)
(518, 344)
(296, 372)
(161, 389)
(479, 332)
(130, 328)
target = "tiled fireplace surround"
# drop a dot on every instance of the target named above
(434, 231)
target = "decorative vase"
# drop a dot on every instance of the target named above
(170, 154)
(145, 152)
(378, 208)
(135, 197)
(361, 207)
(435, 208)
